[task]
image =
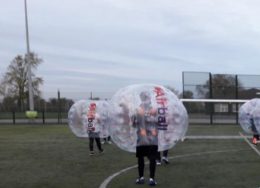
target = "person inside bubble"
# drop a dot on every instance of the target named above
(147, 137)
(93, 130)
(255, 138)
(126, 130)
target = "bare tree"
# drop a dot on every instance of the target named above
(15, 82)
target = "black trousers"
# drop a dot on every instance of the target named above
(107, 138)
(149, 152)
(158, 155)
(91, 143)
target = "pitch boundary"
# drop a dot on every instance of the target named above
(251, 145)
(215, 137)
(110, 178)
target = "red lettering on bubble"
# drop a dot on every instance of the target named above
(91, 116)
(162, 101)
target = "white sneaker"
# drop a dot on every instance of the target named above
(140, 180)
(152, 182)
(165, 160)
(158, 162)
(91, 153)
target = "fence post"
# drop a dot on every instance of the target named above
(43, 117)
(13, 117)
(211, 97)
(59, 108)
(236, 98)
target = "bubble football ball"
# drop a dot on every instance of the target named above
(138, 111)
(31, 114)
(249, 116)
(89, 118)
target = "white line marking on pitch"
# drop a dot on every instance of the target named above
(221, 137)
(107, 180)
(251, 145)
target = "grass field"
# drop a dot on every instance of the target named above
(51, 156)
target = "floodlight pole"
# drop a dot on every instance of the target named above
(28, 60)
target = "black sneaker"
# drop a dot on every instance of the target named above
(140, 180)
(101, 151)
(152, 182)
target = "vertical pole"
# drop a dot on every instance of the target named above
(183, 85)
(43, 117)
(211, 96)
(236, 94)
(13, 117)
(59, 108)
(28, 60)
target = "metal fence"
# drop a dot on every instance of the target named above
(42, 118)
(204, 85)
(53, 107)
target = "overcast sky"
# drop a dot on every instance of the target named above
(103, 45)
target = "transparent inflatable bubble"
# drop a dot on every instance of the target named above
(103, 118)
(75, 118)
(146, 114)
(89, 118)
(256, 117)
(249, 116)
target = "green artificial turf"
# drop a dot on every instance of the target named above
(35, 156)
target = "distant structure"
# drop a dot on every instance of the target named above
(205, 85)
